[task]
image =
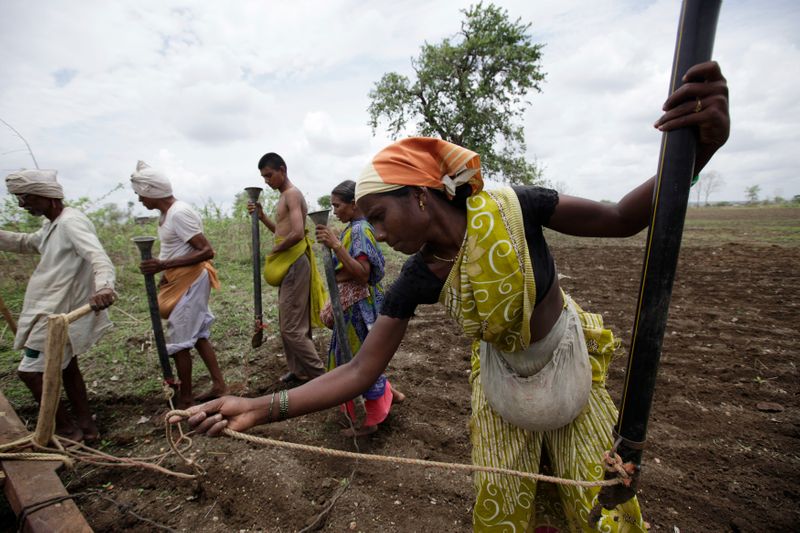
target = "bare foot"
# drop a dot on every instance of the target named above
(397, 396)
(72, 433)
(359, 432)
(343, 420)
(212, 394)
(90, 432)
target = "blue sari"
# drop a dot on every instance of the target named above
(358, 239)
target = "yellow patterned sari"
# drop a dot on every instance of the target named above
(491, 292)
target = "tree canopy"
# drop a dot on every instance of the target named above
(752, 193)
(268, 202)
(470, 90)
(324, 201)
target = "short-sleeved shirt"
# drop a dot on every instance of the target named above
(418, 285)
(176, 228)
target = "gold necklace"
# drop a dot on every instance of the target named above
(443, 259)
(453, 260)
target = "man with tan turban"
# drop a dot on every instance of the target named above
(185, 259)
(73, 270)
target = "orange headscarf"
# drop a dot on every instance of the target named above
(421, 162)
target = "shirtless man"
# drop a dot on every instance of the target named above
(291, 267)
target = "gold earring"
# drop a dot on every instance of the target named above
(421, 205)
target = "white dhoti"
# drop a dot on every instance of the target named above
(36, 364)
(191, 319)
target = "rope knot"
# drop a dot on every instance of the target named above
(614, 465)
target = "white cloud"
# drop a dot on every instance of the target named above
(323, 136)
(206, 89)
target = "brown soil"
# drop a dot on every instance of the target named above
(720, 456)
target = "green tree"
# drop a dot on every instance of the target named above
(752, 193)
(14, 218)
(269, 199)
(471, 90)
(324, 201)
(111, 214)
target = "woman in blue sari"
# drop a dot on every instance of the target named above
(359, 266)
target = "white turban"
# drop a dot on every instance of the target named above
(35, 181)
(149, 182)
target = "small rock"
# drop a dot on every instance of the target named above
(353, 526)
(769, 407)
(397, 502)
(114, 378)
(657, 460)
(143, 420)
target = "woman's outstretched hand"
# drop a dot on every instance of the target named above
(702, 102)
(232, 412)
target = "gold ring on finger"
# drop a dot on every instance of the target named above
(699, 106)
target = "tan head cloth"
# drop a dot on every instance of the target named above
(149, 182)
(35, 181)
(422, 162)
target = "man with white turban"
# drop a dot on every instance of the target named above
(185, 258)
(74, 269)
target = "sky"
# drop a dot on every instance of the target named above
(202, 90)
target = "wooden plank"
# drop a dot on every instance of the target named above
(31, 482)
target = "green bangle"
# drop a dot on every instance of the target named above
(695, 179)
(269, 413)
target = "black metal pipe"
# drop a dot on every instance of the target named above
(145, 245)
(258, 315)
(695, 41)
(321, 218)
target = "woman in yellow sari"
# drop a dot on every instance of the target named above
(538, 361)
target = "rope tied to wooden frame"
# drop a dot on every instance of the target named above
(66, 450)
